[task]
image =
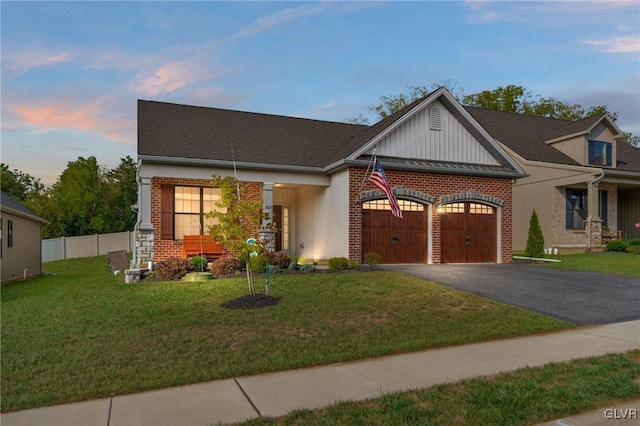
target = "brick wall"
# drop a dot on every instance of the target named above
(436, 184)
(173, 248)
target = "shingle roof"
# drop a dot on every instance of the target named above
(526, 135)
(172, 130)
(9, 203)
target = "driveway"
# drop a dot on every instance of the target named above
(580, 297)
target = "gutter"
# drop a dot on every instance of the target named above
(226, 164)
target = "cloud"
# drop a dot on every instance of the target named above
(173, 76)
(21, 62)
(103, 117)
(629, 44)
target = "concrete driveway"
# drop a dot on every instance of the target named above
(580, 297)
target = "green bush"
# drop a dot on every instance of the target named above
(353, 264)
(535, 240)
(278, 258)
(617, 245)
(172, 269)
(633, 249)
(306, 268)
(634, 242)
(337, 263)
(259, 263)
(372, 259)
(199, 263)
(227, 265)
(293, 266)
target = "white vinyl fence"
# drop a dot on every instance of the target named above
(88, 245)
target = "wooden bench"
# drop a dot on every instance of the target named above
(201, 245)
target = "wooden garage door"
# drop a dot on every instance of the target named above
(396, 240)
(468, 233)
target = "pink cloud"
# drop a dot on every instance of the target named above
(172, 76)
(95, 117)
(21, 62)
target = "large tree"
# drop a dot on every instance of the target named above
(19, 185)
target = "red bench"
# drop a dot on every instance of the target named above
(201, 245)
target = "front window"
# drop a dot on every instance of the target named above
(191, 205)
(600, 153)
(576, 208)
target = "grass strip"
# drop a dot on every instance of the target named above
(523, 397)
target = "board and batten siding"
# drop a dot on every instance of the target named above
(321, 227)
(415, 139)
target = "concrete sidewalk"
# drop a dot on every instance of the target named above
(275, 394)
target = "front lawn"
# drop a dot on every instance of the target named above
(80, 333)
(616, 263)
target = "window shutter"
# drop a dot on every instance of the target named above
(604, 210)
(166, 212)
(609, 153)
(592, 153)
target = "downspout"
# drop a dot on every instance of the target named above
(590, 184)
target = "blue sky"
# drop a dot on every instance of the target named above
(73, 71)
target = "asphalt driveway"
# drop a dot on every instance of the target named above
(580, 297)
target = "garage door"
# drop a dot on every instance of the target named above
(396, 240)
(468, 233)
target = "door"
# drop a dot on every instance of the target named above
(396, 240)
(468, 233)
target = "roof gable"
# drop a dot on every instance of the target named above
(12, 206)
(407, 134)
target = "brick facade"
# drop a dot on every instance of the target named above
(164, 248)
(437, 185)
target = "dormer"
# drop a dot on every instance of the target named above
(590, 142)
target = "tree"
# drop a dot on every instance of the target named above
(19, 185)
(236, 221)
(535, 239)
(121, 193)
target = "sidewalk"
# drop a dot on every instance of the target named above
(275, 394)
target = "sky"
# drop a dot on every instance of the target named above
(72, 72)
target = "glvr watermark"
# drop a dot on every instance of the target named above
(621, 413)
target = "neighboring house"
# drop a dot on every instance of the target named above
(452, 179)
(583, 178)
(20, 241)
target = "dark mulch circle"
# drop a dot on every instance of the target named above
(251, 302)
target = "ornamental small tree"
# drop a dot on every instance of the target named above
(535, 240)
(237, 220)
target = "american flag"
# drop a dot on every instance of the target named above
(379, 179)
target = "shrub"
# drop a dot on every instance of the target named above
(535, 240)
(353, 264)
(259, 263)
(306, 268)
(227, 265)
(617, 245)
(633, 249)
(372, 259)
(634, 242)
(293, 266)
(199, 263)
(172, 269)
(337, 263)
(279, 259)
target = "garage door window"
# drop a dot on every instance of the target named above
(473, 208)
(405, 205)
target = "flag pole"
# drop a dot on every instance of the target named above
(366, 175)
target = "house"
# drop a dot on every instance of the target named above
(452, 180)
(583, 178)
(20, 241)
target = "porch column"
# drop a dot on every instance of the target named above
(144, 203)
(267, 233)
(144, 233)
(593, 226)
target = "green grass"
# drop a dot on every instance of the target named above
(523, 397)
(80, 333)
(616, 263)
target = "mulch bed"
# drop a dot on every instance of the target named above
(251, 302)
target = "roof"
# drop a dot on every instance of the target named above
(527, 135)
(12, 206)
(173, 133)
(182, 131)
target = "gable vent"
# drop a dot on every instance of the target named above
(435, 118)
